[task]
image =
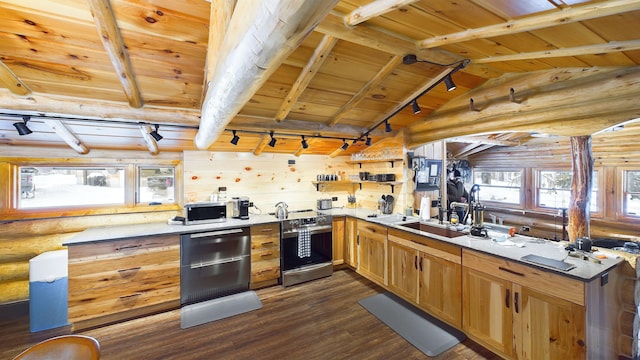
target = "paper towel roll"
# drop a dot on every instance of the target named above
(425, 208)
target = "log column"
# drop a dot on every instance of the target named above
(581, 184)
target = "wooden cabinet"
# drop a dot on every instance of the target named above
(521, 312)
(265, 255)
(372, 251)
(338, 236)
(428, 273)
(351, 242)
(119, 279)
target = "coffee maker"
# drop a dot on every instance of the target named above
(240, 207)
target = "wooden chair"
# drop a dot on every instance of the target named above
(71, 347)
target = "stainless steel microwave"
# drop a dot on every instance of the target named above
(205, 212)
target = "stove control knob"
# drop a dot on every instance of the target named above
(294, 223)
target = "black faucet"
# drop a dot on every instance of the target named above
(440, 211)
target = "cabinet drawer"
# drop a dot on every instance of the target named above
(540, 280)
(265, 254)
(124, 247)
(125, 277)
(265, 270)
(124, 262)
(267, 230)
(109, 301)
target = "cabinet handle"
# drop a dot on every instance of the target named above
(515, 302)
(266, 230)
(420, 264)
(507, 299)
(127, 297)
(266, 243)
(415, 262)
(129, 269)
(510, 271)
(128, 247)
(266, 254)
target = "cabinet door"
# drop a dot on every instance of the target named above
(403, 270)
(440, 288)
(487, 316)
(351, 238)
(338, 240)
(550, 327)
(372, 251)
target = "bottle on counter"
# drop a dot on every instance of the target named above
(222, 194)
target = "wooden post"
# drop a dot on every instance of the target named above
(581, 183)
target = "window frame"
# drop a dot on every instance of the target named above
(551, 210)
(521, 198)
(10, 192)
(622, 195)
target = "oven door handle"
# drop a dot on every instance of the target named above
(314, 230)
(217, 262)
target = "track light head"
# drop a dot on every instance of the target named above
(387, 126)
(368, 141)
(305, 144)
(235, 139)
(448, 81)
(410, 59)
(416, 107)
(155, 133)
(21, 127)
(345, 145)
(273, 141)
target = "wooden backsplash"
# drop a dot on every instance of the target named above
(269, 178)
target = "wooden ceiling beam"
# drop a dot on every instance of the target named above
(65, 134)
(318, 58)
(373, 9)
(612, 46)
(219, 18)
(152, 145)
(372, 84)
(60, 106)
(298, 127)
(261, 35)
(12, 82)
(112, 41)
(483, 140)
(563, 16)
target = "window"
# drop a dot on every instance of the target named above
(156, 185)
(45, 187)
(499, 186)
(632, 193)
(554, 189)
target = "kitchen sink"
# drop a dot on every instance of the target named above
(437, 230)
(393, 219)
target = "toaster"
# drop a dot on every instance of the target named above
(324, 204)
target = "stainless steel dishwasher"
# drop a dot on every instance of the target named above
(214, 264)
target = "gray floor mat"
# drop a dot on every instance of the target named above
(220, 308)
(428, 334)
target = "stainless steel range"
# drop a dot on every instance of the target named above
(306, 247)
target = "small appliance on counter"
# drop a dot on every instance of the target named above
(240, 207)
(324, 204)
(205, 212)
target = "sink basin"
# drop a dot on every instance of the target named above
(446, 232)
(393, 219)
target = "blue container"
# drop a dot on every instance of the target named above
(48, 288)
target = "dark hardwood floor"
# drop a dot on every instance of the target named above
(317, 320)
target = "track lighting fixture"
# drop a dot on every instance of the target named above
(416, 107)
(155, 133)
(235, 139)
(305, 144)
(272, 143)
(345, 145)
(387, 126)
(21, 127)
(368, 141)
(448, 81)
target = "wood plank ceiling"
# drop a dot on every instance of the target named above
(99, 74)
